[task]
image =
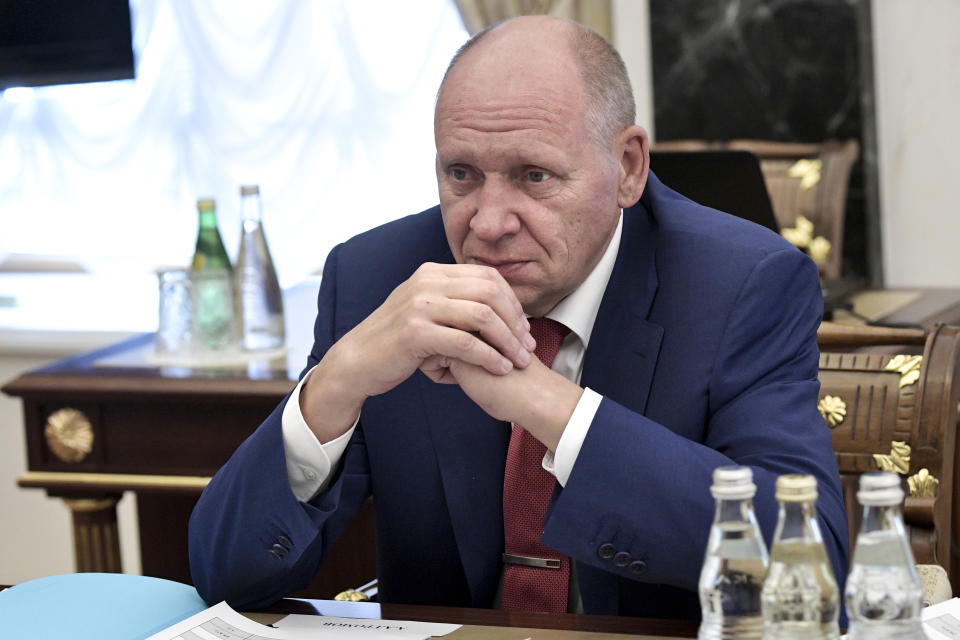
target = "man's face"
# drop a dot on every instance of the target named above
(524, 186)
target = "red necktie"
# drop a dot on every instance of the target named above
(527, 488)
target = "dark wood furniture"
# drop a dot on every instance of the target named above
(890, 398)
(802, 179)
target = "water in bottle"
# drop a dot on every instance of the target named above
(258, 290)
(800, 598)
(735, 562)
(883, 593)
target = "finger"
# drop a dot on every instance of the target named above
(456, 344)
(480, 284)
(437, 368)
(500, 298)
(474, 317)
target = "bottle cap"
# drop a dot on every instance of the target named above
(880, 488)
(796, 487)
(733, 483)
(249, 189)
(206, 204)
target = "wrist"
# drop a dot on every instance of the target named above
(329, 403)
(551, 409)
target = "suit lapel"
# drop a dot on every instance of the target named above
(624, 345)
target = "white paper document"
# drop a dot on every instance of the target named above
(220, 622)
(308, 626)
(942, 621)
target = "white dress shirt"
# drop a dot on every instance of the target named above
(310, 463)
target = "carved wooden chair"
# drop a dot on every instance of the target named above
(890, 398)
(802, 179)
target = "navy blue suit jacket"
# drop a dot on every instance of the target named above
(705, 352)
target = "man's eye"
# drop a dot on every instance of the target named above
(458, 173)
(537, 176)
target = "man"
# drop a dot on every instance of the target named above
(691, 344)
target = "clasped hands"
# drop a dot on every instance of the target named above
(458, 324)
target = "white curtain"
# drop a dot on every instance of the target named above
(327, 105)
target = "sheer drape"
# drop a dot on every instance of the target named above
(596, 14)
(327, 105)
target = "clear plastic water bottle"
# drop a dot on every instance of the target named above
(735, 562)
(258, 291)
(883, 594)
(800, 599)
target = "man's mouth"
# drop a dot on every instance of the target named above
(505, 267)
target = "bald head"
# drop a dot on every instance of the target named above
(603, 75)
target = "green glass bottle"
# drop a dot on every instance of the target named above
(212, 282)
(210, 253)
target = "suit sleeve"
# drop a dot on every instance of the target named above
(251, 541)
(638, 503)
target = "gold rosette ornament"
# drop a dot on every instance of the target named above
(833, 409)
(69, 435)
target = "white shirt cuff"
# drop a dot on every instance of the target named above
(560, 464)
(309, 463)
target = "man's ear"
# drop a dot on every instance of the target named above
(633, 147)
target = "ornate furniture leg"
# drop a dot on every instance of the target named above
(96, 541)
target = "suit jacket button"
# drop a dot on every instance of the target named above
(606, 551)
(285, 541)
(622, 559)
(279, 550)
(637, 567)
(273, 554)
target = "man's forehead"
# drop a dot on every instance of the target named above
(526, 127)
(530, 88)
(505, 106)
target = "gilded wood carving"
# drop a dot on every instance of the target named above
(833, 409)
(923, 485)
(69, 435)
(897, 461)
(907, 366)
(808, 170)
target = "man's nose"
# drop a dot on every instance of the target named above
(497, 211)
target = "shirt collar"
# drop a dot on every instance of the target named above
(578, 311)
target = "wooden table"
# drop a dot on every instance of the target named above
(904, 306)
(110, 421)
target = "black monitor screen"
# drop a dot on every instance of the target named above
(46, 42)
(730, 181)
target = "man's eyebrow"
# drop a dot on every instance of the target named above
(464, 154)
